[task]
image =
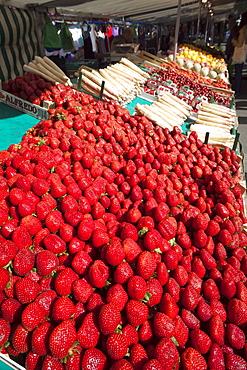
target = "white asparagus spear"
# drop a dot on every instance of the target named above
(52, 64)
(96, 87)
(131, 65)
(168, 113)
(155, 119)
(30, 69)
(178, 107)
(180, 101)
(98, 80)
(160, 113)
(173, 108)
(49, 68)
(46, 71)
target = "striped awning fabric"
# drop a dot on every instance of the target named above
(18, 41)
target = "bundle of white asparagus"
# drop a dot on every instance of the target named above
(48, 70)
(167, 112)
(218, 121)
(123, 81)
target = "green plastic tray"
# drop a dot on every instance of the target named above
(75, 64)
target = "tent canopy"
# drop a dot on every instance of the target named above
(146, 11)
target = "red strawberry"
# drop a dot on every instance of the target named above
(88, 333)
(237, 312)
(5, 331)
(210, 290)
(74, 362)
(218, 308)
(93, 358)
(190, 319)
(169, 306)
(130, 334)
(8, 251)
(32, 224)
(64, 281)
(57, 189)
(181, 331)
(40, 339)
(47, 300)
(21, 339)
(153, 365)
(136, 312)
(154, 292)
(116, 346)
(109, 318)
(166, 230)
(216, 358)
(117, 295)
(193, 360)
(235, 362)
(11, 310)
(121, 365)
(23, 262)
(63, 309)
(131, 250)
(129, 231)
(146, 265)
(46, 262)
(235, 336)
(54, 220)
(190, 297)
(138, 356)
(26, 290)
(85, 229)
(166, 353)
(82, 290)
(62, 339)
(163, 325)
(216, 330)
(51, 362)
(123, 272)
(200, 341)
(4, 278)
(33, 361)
(99, 238)
(114, 253)
(32, 316)
(204, 311)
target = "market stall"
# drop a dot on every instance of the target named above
(122, 218)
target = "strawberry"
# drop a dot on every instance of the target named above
(32, 315)
(216, 330)
(26, 290)
(99, 238)
(85, 229)
(81, 262)
(57, 189)
(169, 306)
(11, 310)
(51, 362)
(21, 339)
(95, 302)
(118, 296)
(94, 358)
(32, 224)
(54, 244)
(154, 292)
(190, 319)
(218, 308)
(109, 318)
(138, 356)
(54, 220)
(82, 290)
(235, 336)
(40, 339)
(189, 298)
(122, 273)
(33, 361)
(237, 312)
(166, 353)
(235, 362)
(146, 265)
(98, 274)
(136, 312)
(47, 300)
(216, 358)
(46, 262)
(62, 339)
(163, 325)
(204, 311)
(74, 361)
(210, 290)
(167, 231)
(63, 309)
(181, 331)
(88, 333)
(4, 278)
(131, 250)
(130, 334)
(64, 281)
(114, 253)
(193, 360)
(129, 231)
(8, 251)
(116, 346)
(5, 331)
(153, 365)
(121, 365)
(200, 341)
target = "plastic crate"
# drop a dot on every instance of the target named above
(75, 64)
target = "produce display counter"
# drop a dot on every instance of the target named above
(13, 125)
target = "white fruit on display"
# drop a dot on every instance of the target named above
(197, 67)
(205, 71)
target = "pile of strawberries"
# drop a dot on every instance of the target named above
(121, 246)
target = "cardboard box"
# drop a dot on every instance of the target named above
(23, 105)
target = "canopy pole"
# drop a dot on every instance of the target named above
(206, 31)
(177, 29)
(198, 19)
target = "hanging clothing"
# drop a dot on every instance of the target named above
(93, 38)
(115, 31)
